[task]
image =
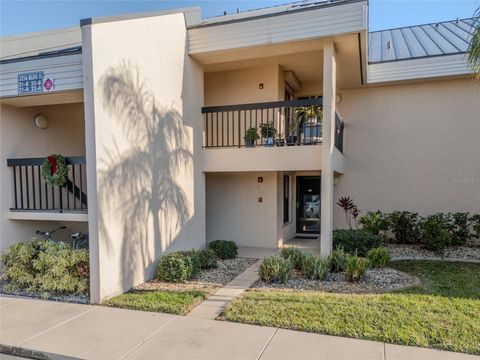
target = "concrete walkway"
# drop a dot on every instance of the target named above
(94, 332)
(214, 305)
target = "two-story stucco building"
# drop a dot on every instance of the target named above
(180, 130)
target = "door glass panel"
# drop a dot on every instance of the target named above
(308, 205)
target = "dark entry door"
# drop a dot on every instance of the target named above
(308, 204)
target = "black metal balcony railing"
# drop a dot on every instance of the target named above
(30, 192)
(279, 123)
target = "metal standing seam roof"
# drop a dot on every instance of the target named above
(442, 38)
(271, 10)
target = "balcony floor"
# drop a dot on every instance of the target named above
(48, 215)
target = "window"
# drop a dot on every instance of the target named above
(286, 199)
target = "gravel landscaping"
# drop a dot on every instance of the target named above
(418, 252)
(208, 280)
(226, 271)
(72, 298)
(375, 280)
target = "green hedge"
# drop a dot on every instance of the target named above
(224, 249)
(435, 232)
(45, 266)
(183, 265)
(355, 241)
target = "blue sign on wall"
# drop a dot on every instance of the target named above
(30, 82)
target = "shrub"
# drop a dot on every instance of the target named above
(193, 259)
(314, 267)
(405, 226)
(295, 255)
(174, 267)
(356, 241)
(338, 260)
(475, 221)
(208, 259)
(378, 257)
(275, 268)
(375, 222)
(459, 227)
(355, 267)
(435, 232)
(224, 249)
(43, 265)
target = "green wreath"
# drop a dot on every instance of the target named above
(55, 170)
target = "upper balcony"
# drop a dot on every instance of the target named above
(33, 199)
(267, 136)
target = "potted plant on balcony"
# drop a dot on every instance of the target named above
(268, 133)
(250, 136)
(310, 120)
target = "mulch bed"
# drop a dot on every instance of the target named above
(209, 280)
(374, 280)
(72, 298)
(417, 251)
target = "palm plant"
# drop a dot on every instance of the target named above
(474, 47)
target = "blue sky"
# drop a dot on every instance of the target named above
(19, 16)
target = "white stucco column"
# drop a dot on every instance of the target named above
(329, 89)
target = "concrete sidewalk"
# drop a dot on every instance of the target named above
(94, 332)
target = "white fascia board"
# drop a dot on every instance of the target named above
(429, 67)
(279, 28)
(47, 216)
(65, 71)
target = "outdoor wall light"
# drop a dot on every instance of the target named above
(338, 99)
(260, 86)
(40, 121)
(336, 180)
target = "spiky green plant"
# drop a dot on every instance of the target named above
(474, 47)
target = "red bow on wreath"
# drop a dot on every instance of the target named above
(53, 162)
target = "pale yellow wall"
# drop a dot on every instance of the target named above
(158, 87)
(412, 147)
(242, 86)
(20, 138)
(234, 212)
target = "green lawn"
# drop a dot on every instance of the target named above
(443, 313)
(172, 302)
(443, 278)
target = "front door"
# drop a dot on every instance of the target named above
(308, 204)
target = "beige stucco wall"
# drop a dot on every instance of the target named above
(20, 138)
(241, 86)
(412, 147)
(143, 98)
(234, 211)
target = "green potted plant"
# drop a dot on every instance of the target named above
(268, 133)
(310, 122)
(250, 136)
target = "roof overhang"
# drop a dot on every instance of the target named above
(314, 22)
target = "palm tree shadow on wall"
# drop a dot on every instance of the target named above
(139, 183)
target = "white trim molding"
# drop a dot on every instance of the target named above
(47, 216)
(279, 28)
(65, 71)
(428, 67)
